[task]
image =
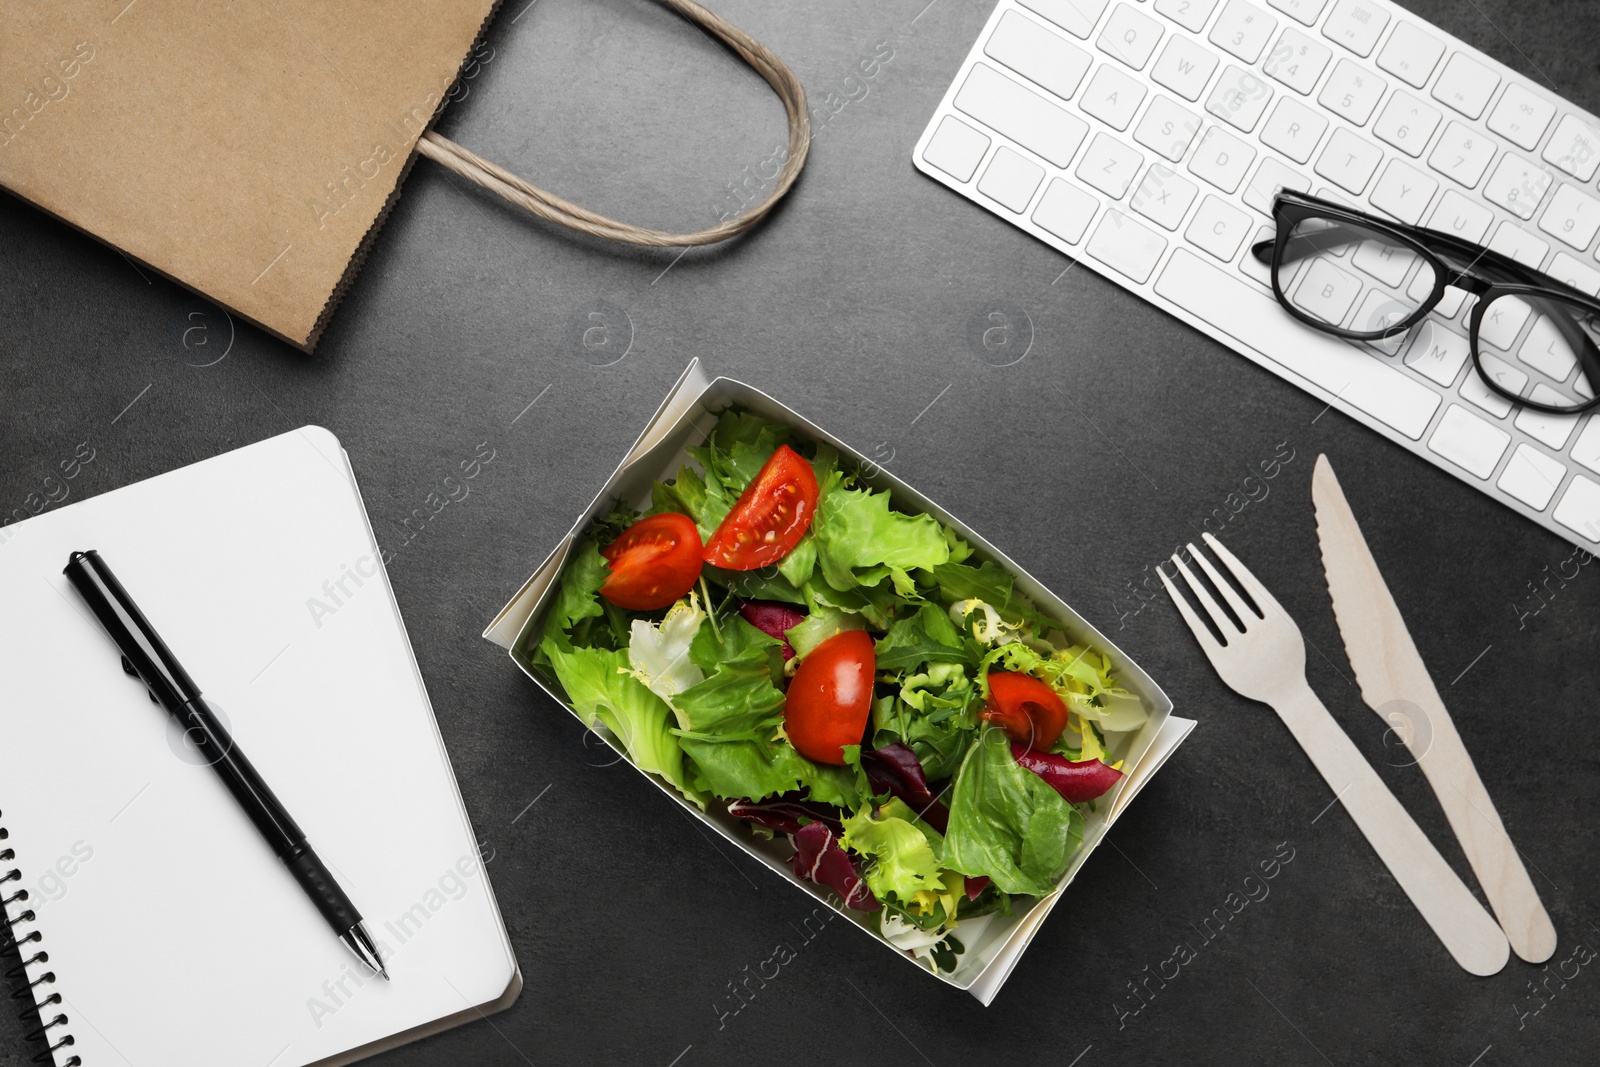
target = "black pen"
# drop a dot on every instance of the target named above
(146, 656)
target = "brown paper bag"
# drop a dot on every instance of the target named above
(251, 151)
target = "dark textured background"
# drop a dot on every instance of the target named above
(1088, 462)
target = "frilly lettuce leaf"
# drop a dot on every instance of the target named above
(659, 653)
(855, 529)
(903, 862)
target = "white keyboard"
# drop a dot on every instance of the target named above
(1147, 138)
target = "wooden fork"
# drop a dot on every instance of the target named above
(1263, 657)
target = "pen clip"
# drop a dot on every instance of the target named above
(127, 668)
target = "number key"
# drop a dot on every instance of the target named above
(1190, 14)
(1352, 93)
(1407, 123)
(1297, 61)
(1572, 217)
(1243, 29)
(1462, 153)
(1517, 185)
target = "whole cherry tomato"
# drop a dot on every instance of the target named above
(653, 562)
(769, 517)
(1028, 710)
(830, 697)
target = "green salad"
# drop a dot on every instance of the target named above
(776, 639)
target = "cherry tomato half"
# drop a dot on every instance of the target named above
(828, 701)
(769, 517)
(653, 562)
(1028, 710)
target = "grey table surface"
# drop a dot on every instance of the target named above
(1089, 461)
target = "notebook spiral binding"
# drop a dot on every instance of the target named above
(26, 944)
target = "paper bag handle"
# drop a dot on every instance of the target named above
(547, 205)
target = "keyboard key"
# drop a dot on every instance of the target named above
(1190, 14)
(1109, 165)
(1349, 161)
(1410, 55)
(1522, 246)
(1462, 154)
(1126, 246)
(1243, 30)
(1379, 311)
(1547, 351)
(1503, 320)
(1407, 123)
(1065, 210)
(1572, 217)
(1387, 262)
(1521, 117)
(1297, 61)
(1294, 129)
(1438, 354)
(1112, 97)
(1579, 510)
(1326, 292)
(1184, 67)
(1268, 179)
(1022, 115)
(1517, 185)
(1077, 17)
(1563, 268)
(1466, 85)
(1403, 192)
(1303, 11)
(1239, 98)
(1219, 228)
(1163, 197)
(1551, 430)
(1167, 129)
(956, 148)
(1011, 179)
(1253, 267)
(1254, 319)
(1130, 36)
(1038, 55)
(1586, 449)
(1469, 442)
(1574, 147)
(1474, 389)
(1222, 159)
(1465, 218)
(1532, 477)
(1356, 24)
(1351, 92)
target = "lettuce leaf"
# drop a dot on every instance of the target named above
(903, 861)
(752, 770)
(855, 529)
(1006, 823)
(599, 685)
(926, 637)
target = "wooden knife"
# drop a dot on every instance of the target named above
(1395, 683)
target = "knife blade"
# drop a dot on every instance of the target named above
(1395, 683)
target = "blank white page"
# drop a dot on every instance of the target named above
(177, 937)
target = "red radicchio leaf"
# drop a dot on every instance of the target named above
(976, 886)
(894, 768)
(818, 858)
(772, 619)
(787, 813)
(1076, 782)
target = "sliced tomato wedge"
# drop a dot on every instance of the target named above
(828, 700)
(653, 562)
(1028, 710)
(769, 517)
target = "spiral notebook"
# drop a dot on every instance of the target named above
(157, 927)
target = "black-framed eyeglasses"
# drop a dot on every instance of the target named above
(1532, 338)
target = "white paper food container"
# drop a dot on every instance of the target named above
(684, 419)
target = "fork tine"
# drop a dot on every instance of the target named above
(1235, 601)
(1258, 592)
(1208, 644)
(1224, 625)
